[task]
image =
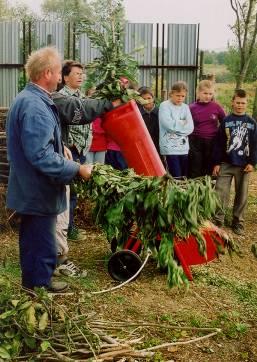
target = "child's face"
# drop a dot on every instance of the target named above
(239, 105)
(178, 98)
(148, 97)
(205, 95)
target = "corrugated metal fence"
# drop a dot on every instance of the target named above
(169, 52)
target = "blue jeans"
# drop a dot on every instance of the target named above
(38, 255)
(78, 157)
(177, 165)
(95, 157)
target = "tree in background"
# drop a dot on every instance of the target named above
(4, 10)
(232, 61)
(245, 30)
(65, 10)
(18, 12)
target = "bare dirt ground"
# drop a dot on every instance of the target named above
(223, 294)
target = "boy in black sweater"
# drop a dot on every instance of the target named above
(235, 156)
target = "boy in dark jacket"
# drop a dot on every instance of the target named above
(235, 157)
(150, 114)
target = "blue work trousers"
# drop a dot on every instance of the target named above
(38, 255)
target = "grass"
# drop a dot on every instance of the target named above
(244, 292)
(224, 93)
(225, 89)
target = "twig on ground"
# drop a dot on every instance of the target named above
(165, 345)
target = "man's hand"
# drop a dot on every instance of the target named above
(116, 102)
(85, 171)
(67, 153)
(248, 168)
(216, 170)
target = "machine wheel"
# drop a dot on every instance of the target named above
(123, 265)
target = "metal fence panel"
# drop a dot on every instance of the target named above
(138, 43)
(139, 36)
(50, 33)
(185, 75)
(8, 85)
(182, 44)
(9, 42)
(10, 32)
(182, 51)
(86, 51)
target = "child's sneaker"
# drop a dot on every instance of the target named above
(69, 269)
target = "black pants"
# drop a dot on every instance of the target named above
(200, 156)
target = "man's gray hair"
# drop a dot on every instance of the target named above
(40, 60)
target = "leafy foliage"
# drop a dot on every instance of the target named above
(65, 10)
(245, 30)
(113, 71)
(232, 61)
(154, 206)
(212, 57)
(19, 12)
(34, 324)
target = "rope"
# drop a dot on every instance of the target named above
(129, 280)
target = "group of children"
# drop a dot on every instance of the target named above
(193, 141)
(200, 139)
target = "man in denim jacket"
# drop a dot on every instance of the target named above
(38, 168)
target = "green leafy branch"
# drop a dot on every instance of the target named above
(113, 71)
(156, 206)
(33, 325)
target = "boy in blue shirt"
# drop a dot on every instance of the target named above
(235, 157)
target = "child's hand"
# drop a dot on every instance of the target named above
(216, 170)
(248, 168)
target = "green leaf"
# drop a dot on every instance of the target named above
(4, 353)
(15, 302)
(30, 342)
(25, 305)
(7, 314)
(45, 345)
(31, 321)
(10, 333)
(43, 321)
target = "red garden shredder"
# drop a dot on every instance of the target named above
(126, 127)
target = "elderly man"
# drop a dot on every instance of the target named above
(38, 169)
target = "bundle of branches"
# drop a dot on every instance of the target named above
(33, 325)
(157, 206)
(113, 71)
(38, 327)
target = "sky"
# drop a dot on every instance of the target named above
(214, 17)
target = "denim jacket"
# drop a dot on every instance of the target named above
(38, 170)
